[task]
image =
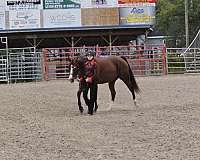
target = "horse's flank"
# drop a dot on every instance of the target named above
(111, 68)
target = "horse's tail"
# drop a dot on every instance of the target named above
(131, 76)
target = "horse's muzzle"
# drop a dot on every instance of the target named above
(71, 79)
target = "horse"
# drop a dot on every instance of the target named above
(108, 70)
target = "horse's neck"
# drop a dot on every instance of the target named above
(82, 68)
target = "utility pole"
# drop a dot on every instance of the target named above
(186, 24)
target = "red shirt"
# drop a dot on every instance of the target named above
(90, 67)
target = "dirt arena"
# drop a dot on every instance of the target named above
(41, 121)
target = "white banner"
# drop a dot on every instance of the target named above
(98, 3)
(2, 5)
(26, 19)
(2, 20)
(138, 15)
(23, 4)
(62, 18)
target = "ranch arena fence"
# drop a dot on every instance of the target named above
(179, 61)
(148, 60)
(20, 64)
(28, 64)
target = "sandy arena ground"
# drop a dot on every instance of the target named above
(41, 121)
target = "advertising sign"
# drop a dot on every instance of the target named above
(62, 18)
(2, 5)
(2, 20)
(100, 16)
(61, 4)
(23, 4)
(26, 19)
(138, 15)
(136, 1)
(98, 3)
(126, 3)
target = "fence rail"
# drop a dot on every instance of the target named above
(144, 60)
(18, 64)
(179, 61)
(22, 64)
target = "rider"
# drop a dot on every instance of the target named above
(90, 75)
(90, 67)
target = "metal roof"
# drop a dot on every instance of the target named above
(84, 28)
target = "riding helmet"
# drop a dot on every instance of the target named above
(90, 53)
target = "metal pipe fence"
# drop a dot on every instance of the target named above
(27, 64)
(178, 61)
(20, 64)
(144, 60)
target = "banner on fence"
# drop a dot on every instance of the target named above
(98, 3)
(62, 4)
(23, 4)
(62, 18)
(140, 15)
(25, 19)
(2, 5)
(2, 20)
(131, 3)
(100, 16)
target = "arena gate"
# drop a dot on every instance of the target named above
(144, 60)
(20, 64)
(183, 60)
(25, 64)
(3, 59)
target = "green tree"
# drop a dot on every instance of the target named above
(170, 19)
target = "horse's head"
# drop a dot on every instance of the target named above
(76, 68)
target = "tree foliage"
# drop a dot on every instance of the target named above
(170, 19)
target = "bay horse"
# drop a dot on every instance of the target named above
(108, 70)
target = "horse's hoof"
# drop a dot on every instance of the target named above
(90, 113)
(135, 103)
(95, 110)
(81, 110)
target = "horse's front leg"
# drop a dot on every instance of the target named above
(79, 100)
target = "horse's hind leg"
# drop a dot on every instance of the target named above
(130, 87)
(112, 89)
(113, 93)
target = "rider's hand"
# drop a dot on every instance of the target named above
(88, 80)
(81, 79)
